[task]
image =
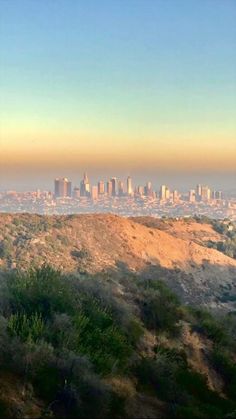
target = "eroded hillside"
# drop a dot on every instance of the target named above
(108, 243)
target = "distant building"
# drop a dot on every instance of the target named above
(218, 195)
(85, 186)
(175, 195)
(76, 193)
(129, 186)
(148, 189)
(62, 188)
(114, 186)
(198, 192)
(205, 193)
(162, 193)
(192, 195)
(140, 190)
(120, 188)
(101, 187)
(167, 193)
(94, 192)
(109, 188)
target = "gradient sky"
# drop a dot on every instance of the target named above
(146, 87)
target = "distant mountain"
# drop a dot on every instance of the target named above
(171, 250)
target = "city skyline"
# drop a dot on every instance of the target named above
(182, 184)
(122, 197)
(83, 86)
(117, 186)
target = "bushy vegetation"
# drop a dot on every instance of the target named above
(227, 229)
(70, 337)
(160, 307)
(228, 246)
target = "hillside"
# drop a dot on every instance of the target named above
(100, 316)
(187, 229)
(172, 251)
(90, 347)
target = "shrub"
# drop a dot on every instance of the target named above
(43, 291)
(26, 327)
(204, 322)
(226, 368)
(160, 308)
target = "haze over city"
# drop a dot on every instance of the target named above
(147, 89)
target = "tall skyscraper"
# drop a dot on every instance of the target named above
(120, 188)
(198, 192)
(85, 186)
(129, 186)
(94, 192)
(205, 193)
(162, 193)
(101, 187)
(175, 195)
(109, 188)
(114, 186)
(62, 188)
(167, 193)
(148, 189)
(192, 195)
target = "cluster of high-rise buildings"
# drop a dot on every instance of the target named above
(115, 187)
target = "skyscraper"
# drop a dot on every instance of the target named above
(120, 188)
(167, 193)
(85, 186)
(129, 186)
(94, 192)
(148, 189)
(101, 187)
(192, 195)
(205, 193)
(62, 187)
(163, 192)
(109, 188)
(199, 192)
(114, 186)
(175, 195)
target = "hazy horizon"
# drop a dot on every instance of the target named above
(180, 181)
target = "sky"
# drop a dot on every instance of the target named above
(117, 87)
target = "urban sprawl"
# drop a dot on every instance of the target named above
(116, 196)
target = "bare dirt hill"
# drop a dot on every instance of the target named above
(103, 242)
(187, 229)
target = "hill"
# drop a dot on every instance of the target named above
(103, 316)
(105, 347)
(174, 251)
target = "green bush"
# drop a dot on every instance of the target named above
(204, 322)
(160, 308)
(26, 327)
(225, 366)
(43, 291)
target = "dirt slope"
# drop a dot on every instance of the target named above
(98, 242)
(187, 229)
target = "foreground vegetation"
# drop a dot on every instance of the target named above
(93, 347)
